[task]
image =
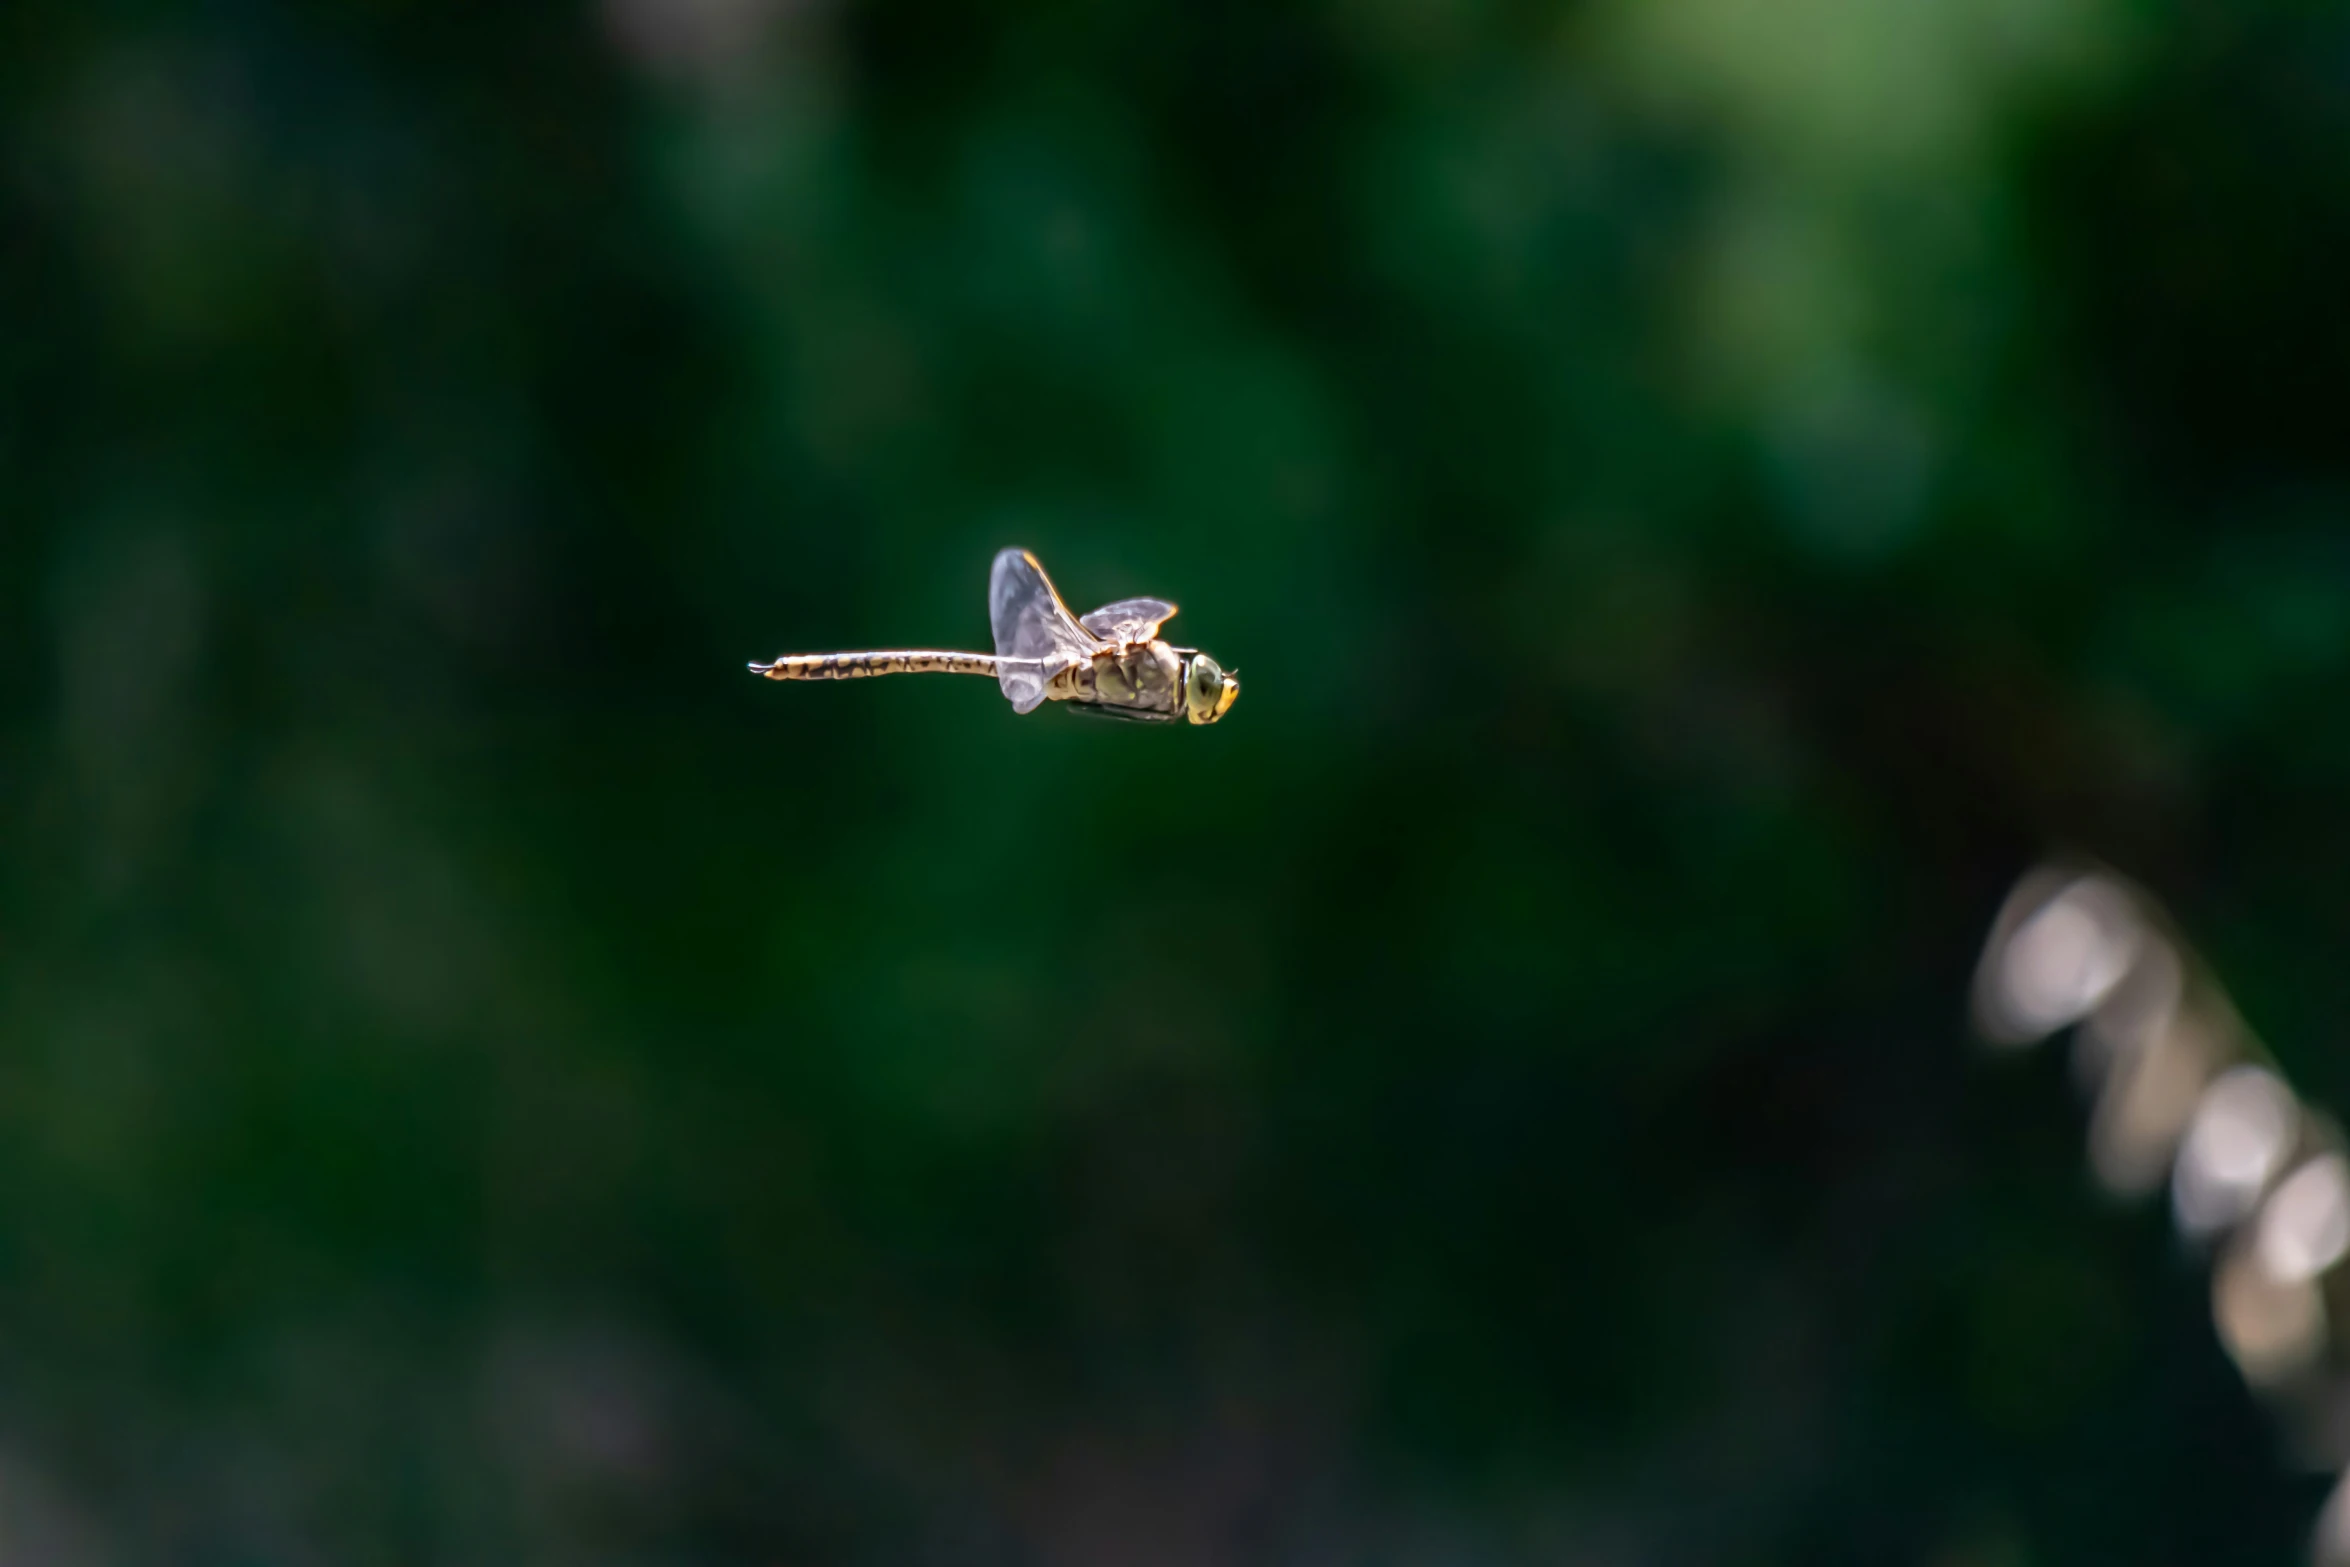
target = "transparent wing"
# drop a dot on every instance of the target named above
(1129, 620)
(1124, 715)
(1035, 635)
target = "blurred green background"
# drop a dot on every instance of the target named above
(1701, 494)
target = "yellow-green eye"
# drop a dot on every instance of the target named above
(1207, 690)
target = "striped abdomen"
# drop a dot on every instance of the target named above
(857, 666)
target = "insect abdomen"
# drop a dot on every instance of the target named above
(860, 666)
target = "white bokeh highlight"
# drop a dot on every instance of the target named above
(2241, 1133)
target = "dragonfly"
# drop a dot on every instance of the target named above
(1111, 663)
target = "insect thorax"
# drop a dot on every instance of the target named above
(1147, 676)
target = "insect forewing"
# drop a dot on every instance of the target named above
(1035, 635)
(1130, 620)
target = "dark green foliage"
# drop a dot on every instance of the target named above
(1699, 495)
